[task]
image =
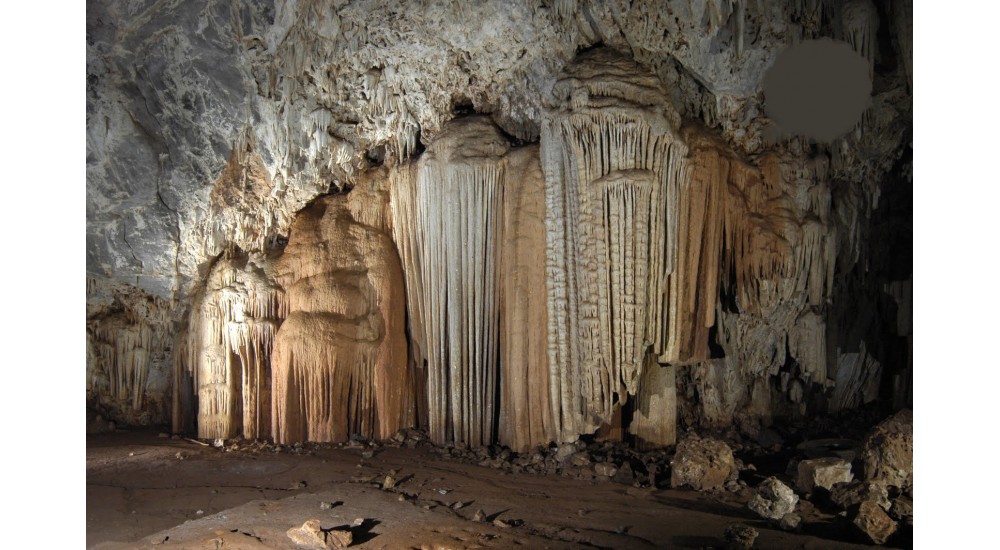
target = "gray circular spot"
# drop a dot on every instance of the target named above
(818, 89)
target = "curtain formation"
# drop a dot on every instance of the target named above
(529, 294)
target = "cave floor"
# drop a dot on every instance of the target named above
(140, 494)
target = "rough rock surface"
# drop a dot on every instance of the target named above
(887, 453)
(773, 499)
(740, 537)
(312, 536)
(872, 520)
(851, 494)
(701, 463)
(822, 472)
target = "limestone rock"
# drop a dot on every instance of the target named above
(902, 508)
(624, 474)
(822, 472)
(605, 469)
(740, 537)
(313, 537)
(790, 521)
(887, 453)
(701, 463)
(565, 451)
(773, 499)
(872, 520)
(851, 494)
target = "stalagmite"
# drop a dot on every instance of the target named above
(613, 163)
(448, 213)
(339, 365)
(226, 358)
(654, 423)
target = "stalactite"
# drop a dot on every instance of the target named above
(339, 365)
(613, 164)
(448, 220)
(860, 20)
(693, 288)
(226, 357)
(243, 209)
(127, 333)
(778, 250)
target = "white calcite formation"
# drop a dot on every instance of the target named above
(225, 361)
(448, 214)
(613, 163)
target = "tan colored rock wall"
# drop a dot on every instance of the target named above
(525, 398)
(340, 363)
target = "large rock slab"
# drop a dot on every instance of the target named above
(773, 499)
(822, 472)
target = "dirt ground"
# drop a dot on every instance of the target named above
(147, 491)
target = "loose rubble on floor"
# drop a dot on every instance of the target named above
(791, 487)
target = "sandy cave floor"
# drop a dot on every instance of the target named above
(146, 491)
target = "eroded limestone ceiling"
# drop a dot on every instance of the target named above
(187, 97)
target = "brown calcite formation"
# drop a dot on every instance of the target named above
(340, 358)
(525, 398)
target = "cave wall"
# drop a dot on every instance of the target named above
(311, 220)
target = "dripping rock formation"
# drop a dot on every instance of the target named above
(532, 230)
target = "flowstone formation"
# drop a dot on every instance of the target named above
(310, 221)
(339, 364)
